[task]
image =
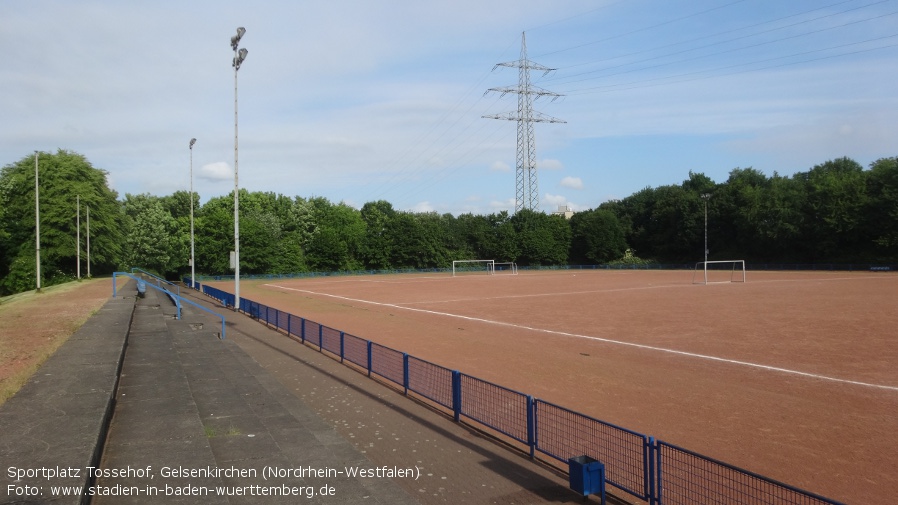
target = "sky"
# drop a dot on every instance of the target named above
(365, 100)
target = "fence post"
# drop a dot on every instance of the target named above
(342, 347)
(289, 319)
(113, 284)
(320, 338)
(302, 330)
(405, 373)
(369, 358)
(456, 395)
(531, 425)
(655, 468)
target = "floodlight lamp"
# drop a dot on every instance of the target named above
(192, 141)
(236, 38)
(241, 55)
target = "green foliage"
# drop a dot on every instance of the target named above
(597, 237)
(64, 176)
(834, 212)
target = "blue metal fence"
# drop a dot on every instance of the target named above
(654, 471)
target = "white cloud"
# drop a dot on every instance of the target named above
(423, 207)
(218, 171)
(549, 164)
(499, 166)
(572, 183)
(554, 200)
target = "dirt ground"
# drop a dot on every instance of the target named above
(33, 325)
(791, 375)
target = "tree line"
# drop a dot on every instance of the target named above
(835, 212)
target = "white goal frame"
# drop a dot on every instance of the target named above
(489, 264)
(737, 272)
(511, 268)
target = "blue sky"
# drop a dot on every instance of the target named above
(357, 101)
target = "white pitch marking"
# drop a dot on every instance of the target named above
(600, 339)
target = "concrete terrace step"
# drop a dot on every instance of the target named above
(198, 421)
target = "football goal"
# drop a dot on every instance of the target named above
(708, 272)
(460, 267)
(506, 267)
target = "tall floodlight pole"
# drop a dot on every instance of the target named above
(706, 197)
(239, 56)
(526, 181)
(37, 222)
(192, 251)
(78, 236)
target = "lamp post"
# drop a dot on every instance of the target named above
(192, 255)
(239, 56)
(37, 223)
(706, 197)
(88, 240)
(78, 236)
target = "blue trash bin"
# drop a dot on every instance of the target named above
(587, 476)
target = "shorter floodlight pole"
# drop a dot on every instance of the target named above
(37, 222)
(192, 251)
(78, 236)
(705, 197)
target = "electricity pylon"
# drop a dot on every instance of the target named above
(526, 184)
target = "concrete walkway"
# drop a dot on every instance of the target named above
(256, 418)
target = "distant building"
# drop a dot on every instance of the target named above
(564, 211)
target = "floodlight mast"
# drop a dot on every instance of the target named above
(239, 56)
(526, 182)
(37, 221)
(706, 197)
(192, 250)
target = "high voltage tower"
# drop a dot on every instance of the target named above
(527, 187)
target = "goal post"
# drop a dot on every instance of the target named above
(473, 266)
(710, 272)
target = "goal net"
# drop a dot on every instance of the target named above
(709, 272)
(460, 267)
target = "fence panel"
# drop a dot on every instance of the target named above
(387, 363)
(430, 381)
(685, 477)
(502, 409)
(295, 325)
(312, 333)
(355, 350)
(330, 340)
(564, 434)
(284, 321)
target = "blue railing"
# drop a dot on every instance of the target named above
(651, 470)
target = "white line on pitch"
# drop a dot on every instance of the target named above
(600, 339)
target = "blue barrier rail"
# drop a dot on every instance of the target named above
(177, 298)
(651, 470)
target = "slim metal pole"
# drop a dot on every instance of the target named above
(88, 241)
(705, 197)
(78, 236)
(37, 221)
(192, 250)
(239, 55)
(236, 201)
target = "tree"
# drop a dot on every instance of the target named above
(836, 198)
(149, 235)
(376, 249)
(541, 239)
(64, 178)
(596, 237)
(881, 213)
